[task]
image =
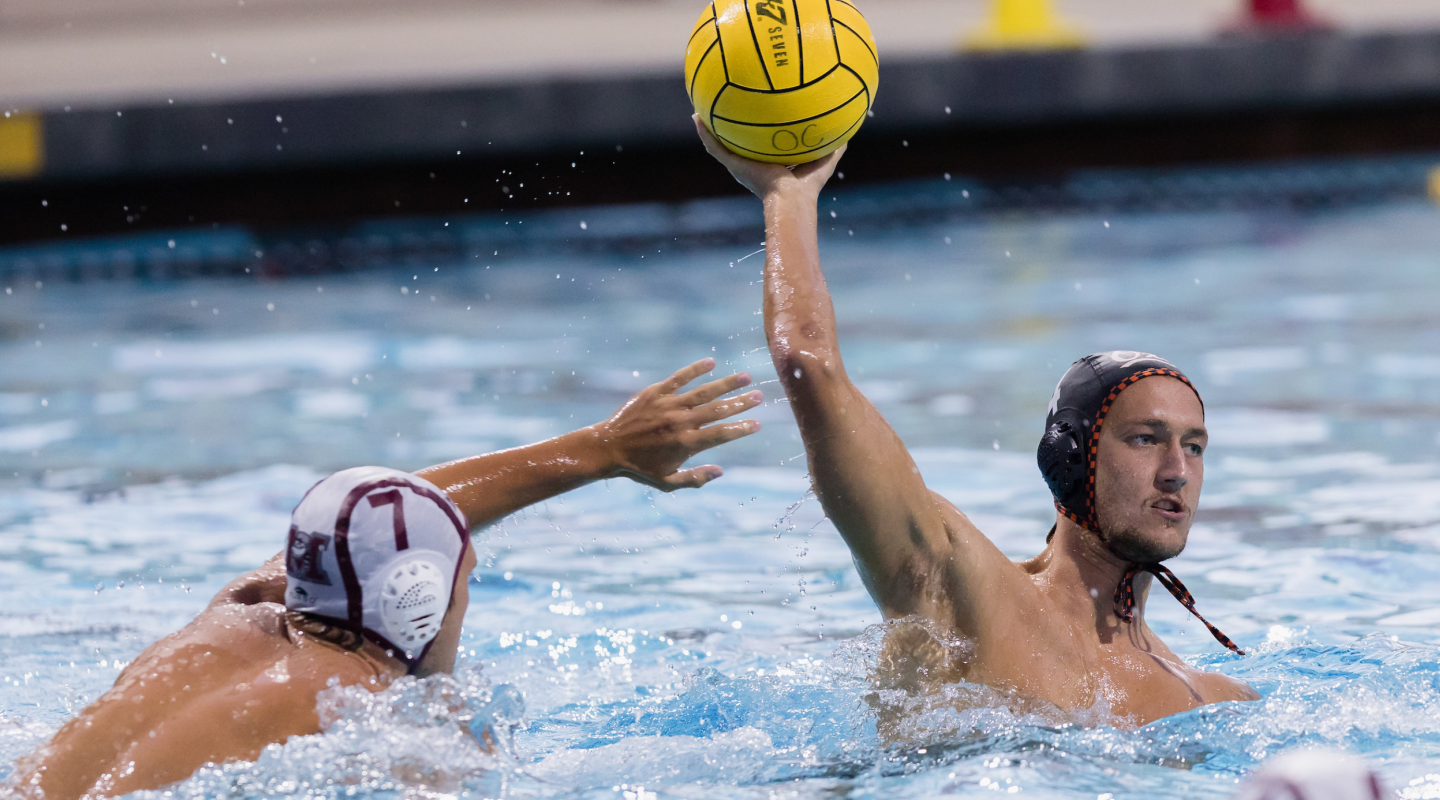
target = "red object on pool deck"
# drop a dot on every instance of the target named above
(1281, 14)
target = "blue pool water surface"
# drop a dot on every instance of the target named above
(718, 643)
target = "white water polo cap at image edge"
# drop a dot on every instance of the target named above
(376, 551)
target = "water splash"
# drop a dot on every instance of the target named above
(415, 738)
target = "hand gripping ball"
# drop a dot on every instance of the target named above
(784, 81)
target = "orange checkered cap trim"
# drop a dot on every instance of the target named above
(1092, 520)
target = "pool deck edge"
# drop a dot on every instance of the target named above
(550, 115)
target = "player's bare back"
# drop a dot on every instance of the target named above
(223, 687)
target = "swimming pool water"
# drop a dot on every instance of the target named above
(718, 643)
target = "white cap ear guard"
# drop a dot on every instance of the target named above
(413, 599)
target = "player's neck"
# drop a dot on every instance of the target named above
(1078, 566)
(386, 665)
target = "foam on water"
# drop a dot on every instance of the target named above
(413, 739)
(719, 644)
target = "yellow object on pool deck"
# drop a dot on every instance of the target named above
(1435, 184)
(785, 81)
(1023, 25)
(22, 145)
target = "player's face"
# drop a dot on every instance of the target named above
(1149, 468)
(442, 653)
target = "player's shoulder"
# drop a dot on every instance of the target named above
(257, 628)
(971, 546)
(252, 645)
(984, 585)
(319, 668)
(1219, 688)
(219, 648)
(263, 585)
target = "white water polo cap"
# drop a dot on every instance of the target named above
(376, 551)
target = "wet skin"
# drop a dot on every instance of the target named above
(239, 678)
(1044, 628)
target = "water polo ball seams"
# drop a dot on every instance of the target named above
(824, 148)
(793, 110)
(764, 68)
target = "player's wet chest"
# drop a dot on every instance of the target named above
(1045, 657)
(1145, 683)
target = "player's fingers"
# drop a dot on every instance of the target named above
(712, 145)
(720, 409)
(691, 478)
(716, 435)
(673, 383)
(701, 395)
(825, 165)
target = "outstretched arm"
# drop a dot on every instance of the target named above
(905, 539)
(647, 440)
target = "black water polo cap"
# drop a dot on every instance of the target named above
(1072, 426)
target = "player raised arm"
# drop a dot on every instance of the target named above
(905, 538)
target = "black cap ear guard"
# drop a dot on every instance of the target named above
(1062, 459)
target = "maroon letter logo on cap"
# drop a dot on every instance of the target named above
(303, 556)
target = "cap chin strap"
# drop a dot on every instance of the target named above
(1125, 591)
(1125, 597)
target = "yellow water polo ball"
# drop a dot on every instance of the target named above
(785, 81)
